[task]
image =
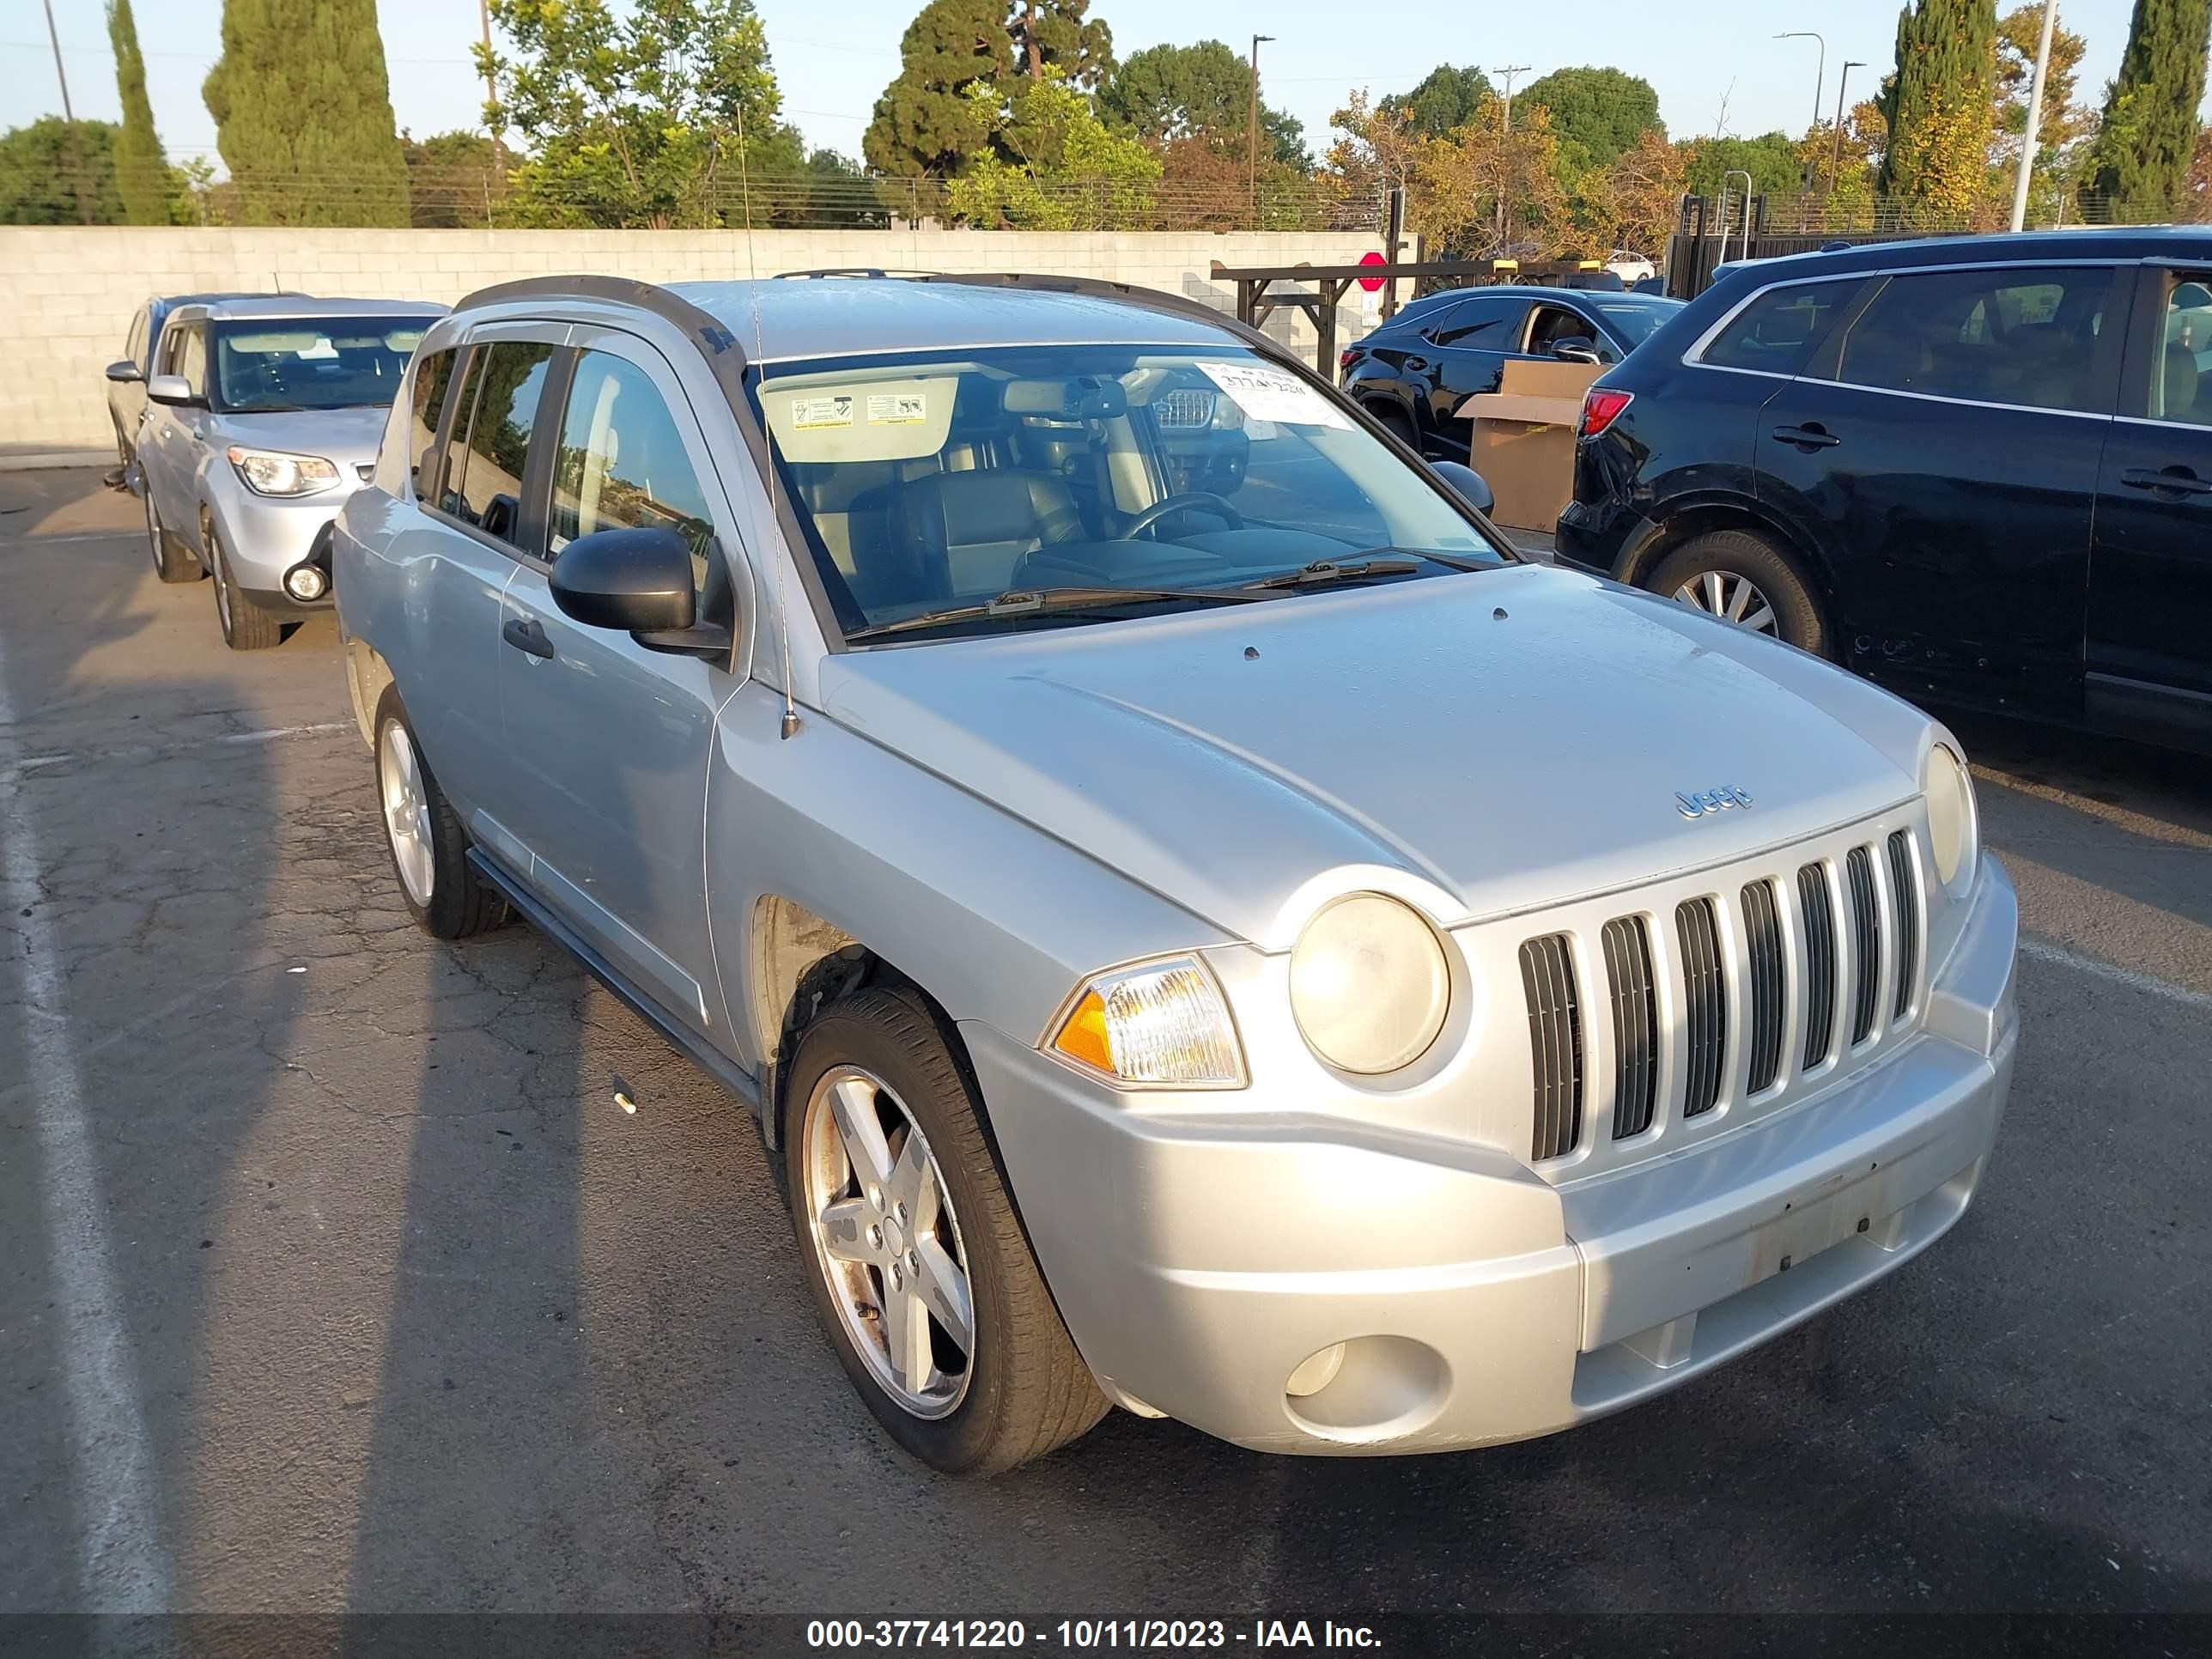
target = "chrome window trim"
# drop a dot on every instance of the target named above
(1693, 354)
(2170, 426)
(1961, 403)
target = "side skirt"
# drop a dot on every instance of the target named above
(739, 1082)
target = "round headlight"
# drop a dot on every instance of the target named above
(1950, 815)
(1370, 986)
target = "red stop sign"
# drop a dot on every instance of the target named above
(1373, 285)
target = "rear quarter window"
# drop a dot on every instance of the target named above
(1778, 333)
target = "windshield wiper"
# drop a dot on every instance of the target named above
(1323, 571)
(1455, 561)
(1034, 601)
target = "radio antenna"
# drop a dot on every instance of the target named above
(790, 728)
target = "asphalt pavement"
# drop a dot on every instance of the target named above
(331, 1275)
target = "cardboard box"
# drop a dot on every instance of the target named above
(1524, 438)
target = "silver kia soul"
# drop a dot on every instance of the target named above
(1205, 926)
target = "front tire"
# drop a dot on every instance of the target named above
(429, 849)
(173, 560)
(1743, 578)
(918, 1264)
(245, 626)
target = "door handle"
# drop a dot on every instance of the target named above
(1809, 437)
(2174, 480)
(526, 635)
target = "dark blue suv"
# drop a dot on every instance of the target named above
(1977, 469)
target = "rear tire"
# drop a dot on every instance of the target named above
(429, 849)
(1017, 1389)
(245, 626)
(173, 560)
(1741, 577)
(1395, 422)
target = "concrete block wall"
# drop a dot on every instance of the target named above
(72, 290)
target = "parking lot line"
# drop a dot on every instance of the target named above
(2042, 950)
(124, 1567)
(137, 751)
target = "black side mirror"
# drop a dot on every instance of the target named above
(1467, 483)
(124, 372)
(1575, 349)
(639, 581)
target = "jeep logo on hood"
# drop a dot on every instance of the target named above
(1705, 802)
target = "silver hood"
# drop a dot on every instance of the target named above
(1513, 738)
(348, 437)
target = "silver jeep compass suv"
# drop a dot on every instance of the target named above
(1206, 928)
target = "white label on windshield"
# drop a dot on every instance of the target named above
(808, 414)
(898, 407)
(1268, 394)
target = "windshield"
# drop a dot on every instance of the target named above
(1636, 323)
(929, 482)
(313, 363)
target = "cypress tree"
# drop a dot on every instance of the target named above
(925, 122)
(303, 113)
(1938, 106)
(141, 172)
(2140, 162)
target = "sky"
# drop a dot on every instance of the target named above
(1715, 63)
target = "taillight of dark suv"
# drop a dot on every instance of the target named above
(1602, 407)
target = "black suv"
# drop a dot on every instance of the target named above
(1977, 469)
(1413, 373)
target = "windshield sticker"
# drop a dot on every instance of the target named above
(1269, 394)
(898, 407)
(810, 414)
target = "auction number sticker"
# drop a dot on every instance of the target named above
(811, 414)
(1269, 394)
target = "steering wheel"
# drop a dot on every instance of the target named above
(1202, 500)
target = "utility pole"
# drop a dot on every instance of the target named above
(1820, 68)
(491, 85)
(2029, 139)
(69, 115)
(1836, 158)
(1252, 134)
(1508, 72)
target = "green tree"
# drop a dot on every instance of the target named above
(925, 123)
(2139, 166)
(662, 117)
(1596, 112)
(1063, 170)
(1054, 34)
(1165, 94)
(837, 194)
(141, 173)
(1938, 105)
(1772, 160)
(453, 179)
(303, 113)
(44, 167)
(1446, 97)
(2067, 124)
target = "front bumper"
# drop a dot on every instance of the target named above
(264, 536)
(1200, 1259)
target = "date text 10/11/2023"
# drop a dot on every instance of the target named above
(1087, 1633)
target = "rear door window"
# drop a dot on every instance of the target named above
(1778, 333)
(1997, 335)
(1487, 324)
(484, 483)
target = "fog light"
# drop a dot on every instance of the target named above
(307, 582)
(1315, 1372)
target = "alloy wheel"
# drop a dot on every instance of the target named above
(1732, 598)
(406, 812)
(888, 1242)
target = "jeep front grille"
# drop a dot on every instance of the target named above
(1727, 996)
(1555, 1036)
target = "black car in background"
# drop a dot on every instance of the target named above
(1978, 470)
(1413, 372)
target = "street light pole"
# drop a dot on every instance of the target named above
(1252, 134)
(1821, 70)
(2028, 139)
(1836, 159)
(69, 115)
